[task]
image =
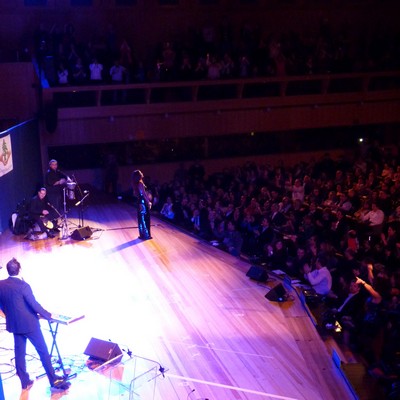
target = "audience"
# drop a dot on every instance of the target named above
(215, 56)
(349, 254)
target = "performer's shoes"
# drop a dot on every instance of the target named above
(28, 385)
(145, 237)
(60, 384)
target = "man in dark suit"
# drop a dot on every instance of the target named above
(22, 313)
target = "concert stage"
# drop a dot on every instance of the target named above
(181, 303)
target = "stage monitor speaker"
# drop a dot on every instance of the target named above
(81, 233)
(257, 273)
(103, 350)
(277, 293)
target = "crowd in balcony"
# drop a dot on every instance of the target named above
(214, 53)
(332, 224)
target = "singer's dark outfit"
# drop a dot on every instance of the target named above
(143, 216)
(54, 192)
(36, 207)
(21, 309)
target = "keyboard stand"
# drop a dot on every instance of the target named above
(53, 325)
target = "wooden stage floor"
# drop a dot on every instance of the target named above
(175, 300)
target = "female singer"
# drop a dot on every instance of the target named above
(144, 205)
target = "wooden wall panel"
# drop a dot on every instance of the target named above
(144, 127)
(18, 98)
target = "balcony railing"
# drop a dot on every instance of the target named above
(278, 90)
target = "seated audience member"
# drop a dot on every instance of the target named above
(214, 220)
(298, 190)
(320, 278)
(395, 215)
(391, 240)
(350, 311)
(96, 71)
(195, 220)
(348, 264)
(374, 219)
(117, 72)
(62, 73)
(384, 202)
(295, 265)
(186, 72)
(247, 227)
(276, 217)
(183, 213)
(343, 204)
(230, 238)
(277, 255)
(79, 72)
(167, 209)
(264, 235)
(352, 241)
(306, 229)
(339, 229)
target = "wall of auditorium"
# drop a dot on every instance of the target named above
(166, 124)
(18, 100)
(165, 172)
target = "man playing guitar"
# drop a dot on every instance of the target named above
(38, 212)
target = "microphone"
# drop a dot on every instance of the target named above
(85, 192)
(127, 351)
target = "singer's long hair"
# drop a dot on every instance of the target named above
(137, 177)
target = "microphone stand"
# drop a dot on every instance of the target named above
(64, 234)
(83, 195)
(80, 204)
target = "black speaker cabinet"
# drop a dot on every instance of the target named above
(277, 293)
(103, 350)
(257, 273)
(81, 233)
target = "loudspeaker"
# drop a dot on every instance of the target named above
(81, 233)
(103, 350)
(278, 293)
(257, 273)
